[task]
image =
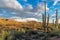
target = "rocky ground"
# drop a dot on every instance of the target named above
(36, 35)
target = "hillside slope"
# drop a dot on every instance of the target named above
(12, 24)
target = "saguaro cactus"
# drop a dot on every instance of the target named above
(43, 20)
(48, 20)
(44, 17)
(53, 22)
(45, 27)
(48, 23)
(56, 24)
(45, 12)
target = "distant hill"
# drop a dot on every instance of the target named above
(12, 24)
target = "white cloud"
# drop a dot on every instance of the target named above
(38, 14)
(19, 19)
(40, 6)
(53, 15)
(14, 7)
(31, 19)
(10, 4)
(25, 0)
(55, 2)
(47, 8)
(28, 7)
(28, 12)
(59, 21)
(51, 20)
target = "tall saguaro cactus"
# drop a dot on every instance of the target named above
(45, 12)
(45, 28)
(56, 24)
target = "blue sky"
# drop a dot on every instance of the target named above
(22, 10)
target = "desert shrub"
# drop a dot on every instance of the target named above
(55, 32)
(20, 31)
(7, 34)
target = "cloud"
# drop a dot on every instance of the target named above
(40, 6)
(59, 21)
(29, 6)
(47, 8)
(55, 2)
(30, 12)
(10, 4)
(27, 11)
(51, 20)
(53, 15)
(25, 0)
(19, 19)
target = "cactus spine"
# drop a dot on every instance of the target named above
(56, 24)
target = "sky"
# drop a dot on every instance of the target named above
(26, 10)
